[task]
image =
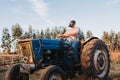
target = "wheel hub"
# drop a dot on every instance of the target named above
(55, 77)
(100, 62)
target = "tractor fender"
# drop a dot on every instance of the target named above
(89, 41)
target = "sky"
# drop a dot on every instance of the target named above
(94, 15)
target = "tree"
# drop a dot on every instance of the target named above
(63, 30)
(81, 35)
(47, 33)
(89, 34)
(118, 34)
(42, 34)
(25, 35)
(105, 37)
(53, 34)
(6, 39)
(57, 30)
(111, 36)
(38, 35)
(116, 39)
(16, 31)
(30, 32)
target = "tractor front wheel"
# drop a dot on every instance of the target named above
(14, 73)
(52, 73)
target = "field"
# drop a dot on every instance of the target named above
(114, 72)
(114, 67)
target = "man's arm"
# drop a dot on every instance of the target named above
(64, 35)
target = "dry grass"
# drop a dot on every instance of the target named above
(114, 71)
(115, 57)
(115, 66)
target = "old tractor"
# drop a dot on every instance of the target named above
(45, 59)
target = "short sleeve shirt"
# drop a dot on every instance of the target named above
(73, 38)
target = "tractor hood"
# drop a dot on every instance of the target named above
(38, 47)
(33, 49)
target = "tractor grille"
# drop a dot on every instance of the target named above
(26, 52)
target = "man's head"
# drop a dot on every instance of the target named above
(72, 23)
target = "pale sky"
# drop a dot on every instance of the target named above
(94, 15)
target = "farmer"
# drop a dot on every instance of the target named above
(72, 36)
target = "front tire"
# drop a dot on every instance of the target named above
(14, 73)
(95, 60)
(52, 73)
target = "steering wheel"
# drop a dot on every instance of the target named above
(66, 38)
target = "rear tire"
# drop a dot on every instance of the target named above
(95, 60)
(52, 73)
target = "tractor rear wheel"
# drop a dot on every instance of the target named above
(95, 60)
(52, 73)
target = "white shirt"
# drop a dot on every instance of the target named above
(73, 38)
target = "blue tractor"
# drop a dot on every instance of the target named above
(45, 59)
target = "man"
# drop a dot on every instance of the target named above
(72, 36)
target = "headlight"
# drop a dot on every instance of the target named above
(31, 59)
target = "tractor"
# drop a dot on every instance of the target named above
(46, 59)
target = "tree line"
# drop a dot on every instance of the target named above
(112, 39)
(18, 33)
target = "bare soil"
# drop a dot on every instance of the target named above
(114, 73)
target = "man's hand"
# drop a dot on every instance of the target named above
(60, 35)
(66, 35)
(63, 35)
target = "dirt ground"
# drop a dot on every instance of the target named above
(114, 73)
